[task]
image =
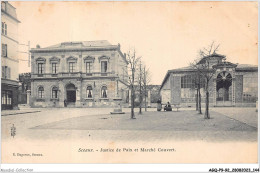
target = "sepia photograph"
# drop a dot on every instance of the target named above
(138, 82)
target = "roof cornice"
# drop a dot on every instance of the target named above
(73, 49)
(10, 16)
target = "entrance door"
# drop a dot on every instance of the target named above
(224, 89)
(71, 93)
(71, 96)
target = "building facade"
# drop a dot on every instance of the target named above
(230, 84)
(78, 74)
(9, 57)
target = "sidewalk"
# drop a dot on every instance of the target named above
(15, 112)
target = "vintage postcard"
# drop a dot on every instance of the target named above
(129, 82)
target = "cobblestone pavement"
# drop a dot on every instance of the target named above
(99, 124)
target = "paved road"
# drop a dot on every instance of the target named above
(58, 134)
(100, 124)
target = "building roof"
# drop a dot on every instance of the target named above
(97, 43)
(239, 67)
(9, 10)
(211, 55)
(247, 67)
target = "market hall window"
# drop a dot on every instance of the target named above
(89, 92)
(187, 81)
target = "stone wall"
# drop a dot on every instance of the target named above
(81, 93)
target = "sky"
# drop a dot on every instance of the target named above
(167, 35)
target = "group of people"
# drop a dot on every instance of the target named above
(166, 107)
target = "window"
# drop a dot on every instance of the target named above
(7, 97)
(40, 92)
(187, 82)
(6, 72)
(4, 50)
(55, 92)
(54, 68)
(88, 67)
(71, 67)
(40, 68)
(3, 6)
(103, 66)
(89, 92)
(4, 28)
(104, 92)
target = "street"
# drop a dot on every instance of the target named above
(64, 132)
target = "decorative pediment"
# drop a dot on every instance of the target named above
(72, 58)
(54, 59)
(89, 58)
(103, 57)
(224, 64)
(40, 59)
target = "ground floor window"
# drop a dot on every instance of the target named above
(89, 92)
(54, 92)
(104, 92)
(40, 92)
(6, 97)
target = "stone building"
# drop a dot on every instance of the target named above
(9, 57)
(231, 84)
(78, 74)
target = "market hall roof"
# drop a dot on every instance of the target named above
(239, 67)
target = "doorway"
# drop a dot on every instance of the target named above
(224, 89)
(71, 93)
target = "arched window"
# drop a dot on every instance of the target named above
(89, 92)
(104, 92)
(41, 92)
(55, 92)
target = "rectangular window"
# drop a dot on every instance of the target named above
(71, 67)
(6, 72)
(4, 50)
(187, 81)
(40, 68)
(54, 68)
(3, 6)
(103, 66)
(3, 28)
(88, 67)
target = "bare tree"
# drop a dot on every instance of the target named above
(146, 81)
(132, 62)
(198, 84)
(140, 87)
(142, 82)
(205, 71)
